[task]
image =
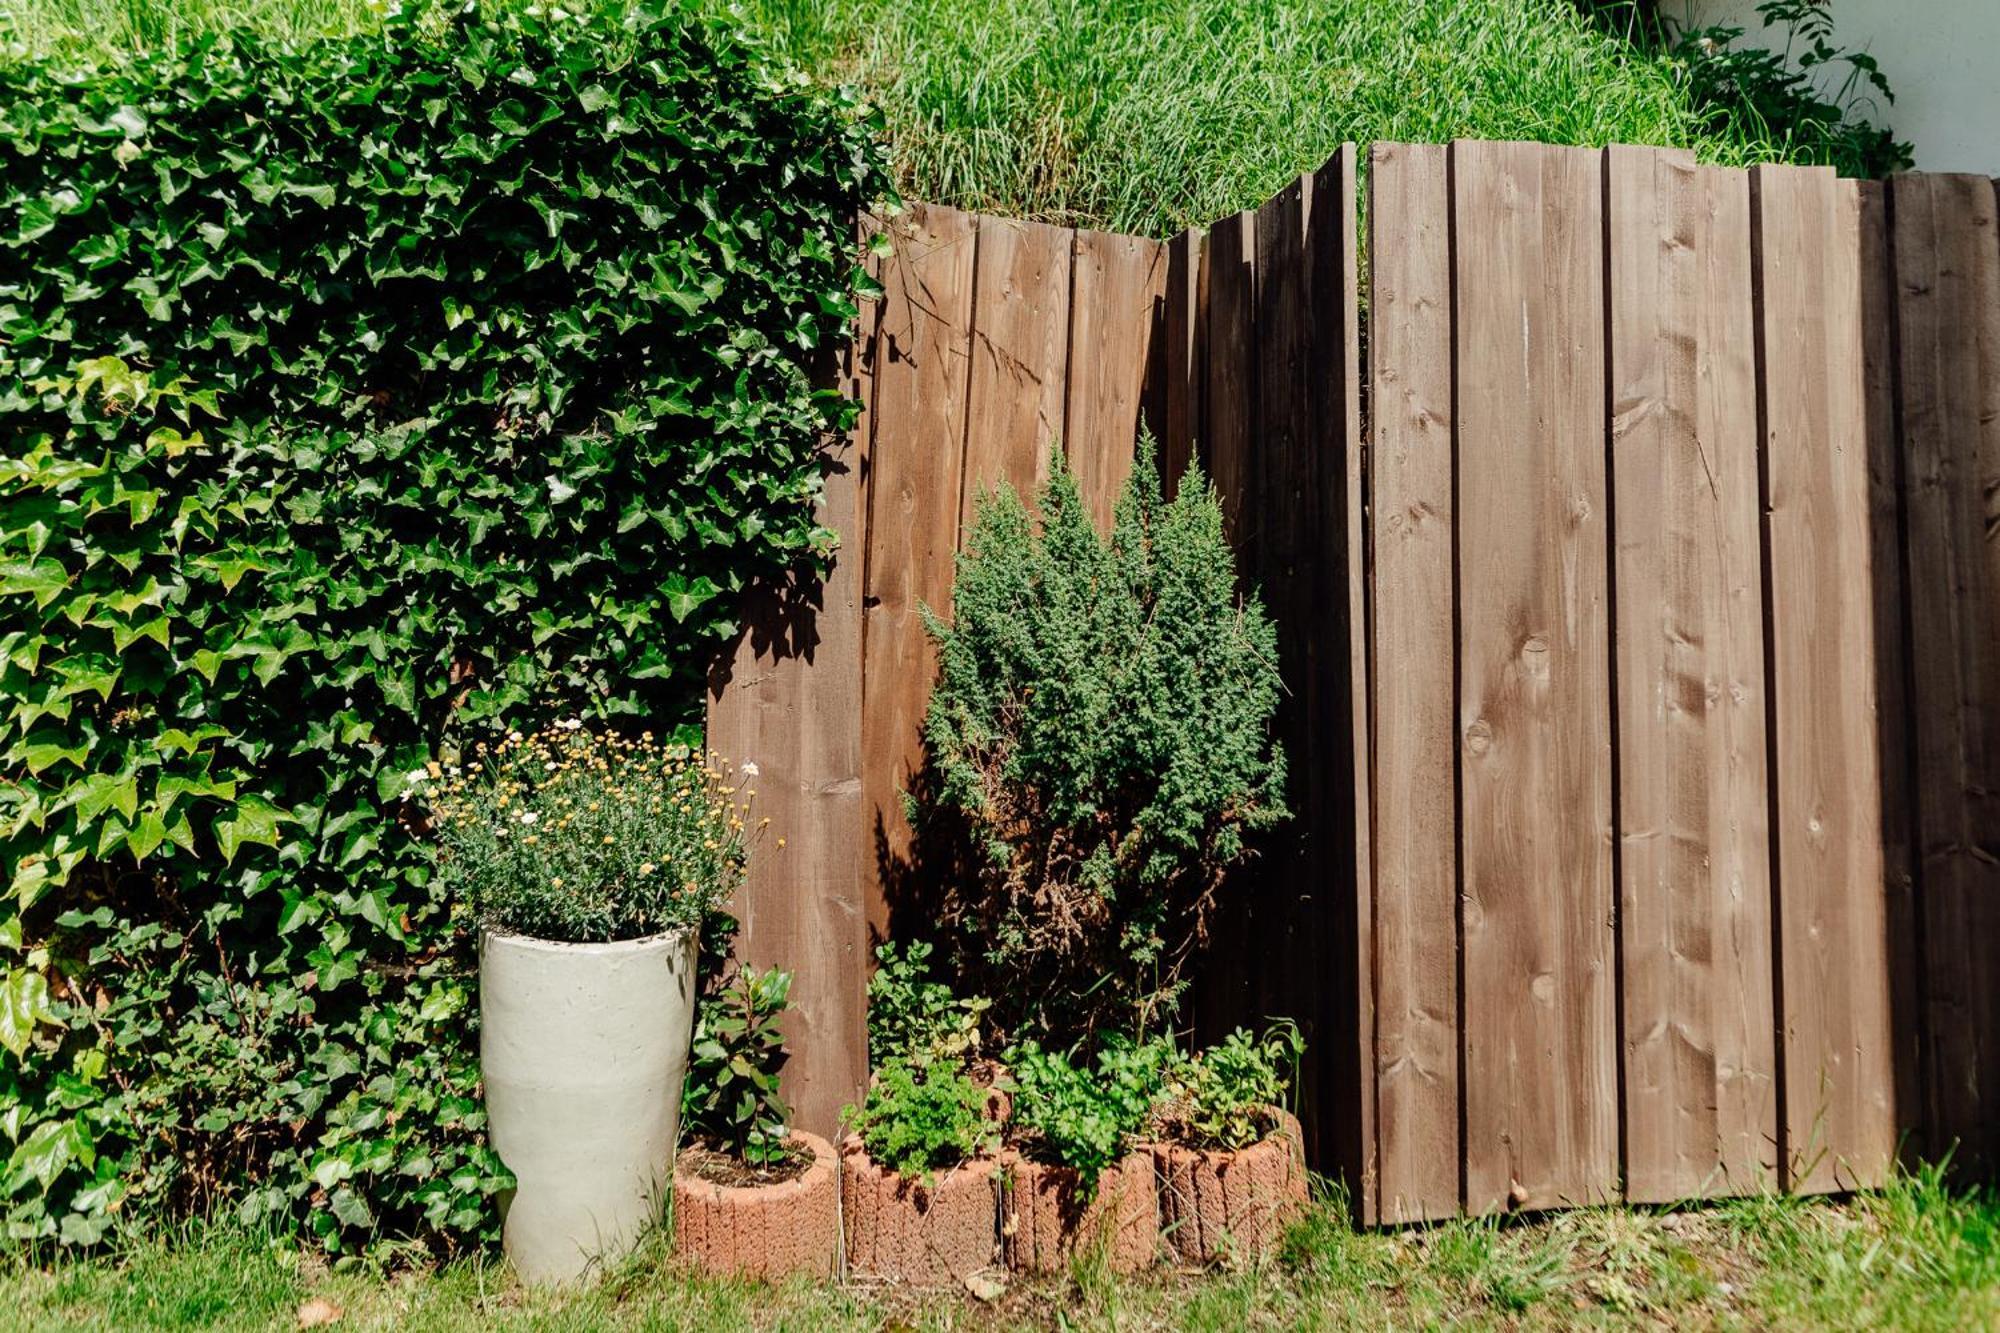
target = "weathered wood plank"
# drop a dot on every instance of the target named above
(1187, 315)
(1020, 357)
(922, 364)
(1695, 894)
(1229, 370)
(1414, 801)
(1892, 675)
(1540, 1041)
(1839, 1126)
(1117, 326)
(1948, 289)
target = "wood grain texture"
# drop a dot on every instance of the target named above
(1892, 665)
(1540, 1039)
(1948, 290)
(1700, 1080)
(1838, 1123)
(1117, 336)
(1187, 315)
(1020, 357)
(1230, 370)
(921, 372)
(1414, 799)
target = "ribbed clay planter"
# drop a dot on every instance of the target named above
(1047, 1218)
(908, 1230)
(765, 1231)
(1217, 1205)
(582, 1048)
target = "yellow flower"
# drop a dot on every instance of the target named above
(556, 883)
(648, 868)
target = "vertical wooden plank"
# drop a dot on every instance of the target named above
(1116, 313)
(789, 700)
(1700, 1062)
(1346, 913)
(1415, 802)
(1839, 1126)
(1020, 357)
(1948, 287)
(1186, 339)
(1229, 372)
(921, 378)
(1892, 676)
(1540, 1059)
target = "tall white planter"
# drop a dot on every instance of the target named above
(583, 1048)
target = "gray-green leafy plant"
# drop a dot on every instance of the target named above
(915, 1019)
(731, 1098)
(1100, 750)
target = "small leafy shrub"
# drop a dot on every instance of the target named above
(914, 1019)
(917, 1122)
(583, 837)
(1100, 745)
(464, 371)
(1220, 1097)
(731, 1099)
(1071, 1115)
(1784, 97)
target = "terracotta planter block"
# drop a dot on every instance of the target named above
(1231, 1206)
(1045, 1220)
(928, 1234)
(764, 1231)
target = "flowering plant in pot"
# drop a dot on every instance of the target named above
(1230, 1158)
(589, 862)
(752, 1195)
(1076, 1179)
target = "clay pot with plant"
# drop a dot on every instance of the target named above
(1076, 1182)
(753, 1197)
(1230, 1159)
(589, 862)
(919, 1177)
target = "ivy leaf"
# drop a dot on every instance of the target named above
(255, 821)
(24, 1003)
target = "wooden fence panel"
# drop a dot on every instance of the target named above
(1118, 346)
(1412, 688)
(1948, 289)
(1187, 343)
(915, 479)
(1833, 992)
(1700, 1077)
(1229, 368)
(1541, 1099)
(1020, 357)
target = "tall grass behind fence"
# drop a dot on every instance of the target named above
(1640, 651)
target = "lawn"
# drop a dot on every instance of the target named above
(1137, 115)
(1914, 1256)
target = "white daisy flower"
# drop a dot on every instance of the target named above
(529, 817)
(749, 770)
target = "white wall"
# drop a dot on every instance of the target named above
(1941, 57)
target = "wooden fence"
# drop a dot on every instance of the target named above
(1642, 651)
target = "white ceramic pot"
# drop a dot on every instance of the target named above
(583, 1048)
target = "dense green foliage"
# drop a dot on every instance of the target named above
(914, 1018)
(917, 1122)
(1785, 95)
(1153, 115)
(1100, 745)
(495, 337)
(572, 835)
(1071, 1114)
(731, 1098)
(1221, 1097)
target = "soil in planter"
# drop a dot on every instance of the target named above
(759, 1222)
(1048, 1218)
(1223, 1206)
(927, 1232)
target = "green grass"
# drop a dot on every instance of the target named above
(1915, 1256)
(1136, 115)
